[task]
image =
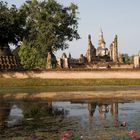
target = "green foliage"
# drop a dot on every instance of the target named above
(131, 59)
(49, 26)
(29, 56)
(45, 26)
(36, 110)
(126, 59)
(15, 51)
(11, 24)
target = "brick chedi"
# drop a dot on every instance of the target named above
(7, 60)
(114, 50)
(51, 61)
(100, 56)
(91, 51)
(101, 50)
(64, 62)
(137, 61)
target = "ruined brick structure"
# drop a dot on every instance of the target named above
(137, 61)
(102, 54)
(114, 50)
(64, 62)
(91, 51)
(95, 56)
(82, 59)
(51, 61)
(101, 49)
(7, 60)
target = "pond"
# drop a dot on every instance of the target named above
(69, 120)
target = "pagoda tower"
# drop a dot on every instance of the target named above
(101, 42)
(91, 51)
(101, 50)
(114, 50)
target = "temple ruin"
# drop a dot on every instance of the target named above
(114, 50)
(51, 61)
(101, 57)
(7, 60)
(102, 54)
(94, 56)
(91, 51)
(64, 61)
(137, 61)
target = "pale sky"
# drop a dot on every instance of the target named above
(119, 17)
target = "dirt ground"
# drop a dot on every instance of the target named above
(72, 74)
(81, 95)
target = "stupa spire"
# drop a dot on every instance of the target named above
(101, 42)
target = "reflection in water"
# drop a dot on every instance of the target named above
(114, 110)
(4, 112)
(91, 108)
(15, 116)
(45, 119)
(43, 109)
(103, 109)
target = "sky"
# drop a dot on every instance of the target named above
(119, 17)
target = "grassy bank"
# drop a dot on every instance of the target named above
(67, 82)
(40, 85)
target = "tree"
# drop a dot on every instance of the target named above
(29, 57)
(49, 27)
(126, 59)
(11, 24)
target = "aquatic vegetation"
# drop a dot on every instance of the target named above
(71, 135)
(133, 134)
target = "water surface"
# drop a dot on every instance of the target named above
(87, 119)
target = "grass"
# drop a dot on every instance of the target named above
(67, 82)
(40, 85)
